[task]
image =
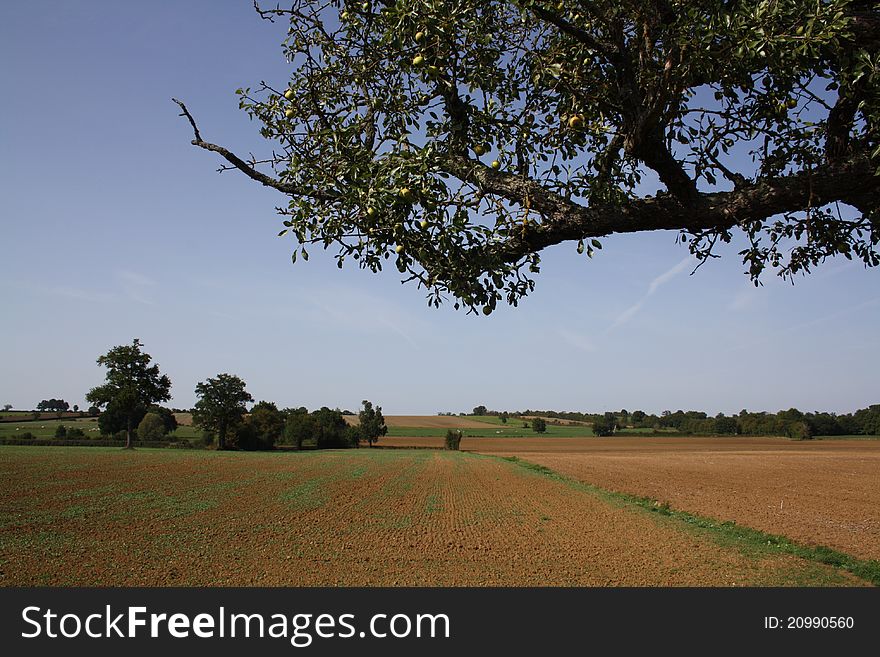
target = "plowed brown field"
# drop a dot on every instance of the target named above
(816, 492)
(91, 516)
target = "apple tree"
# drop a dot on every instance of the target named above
(457, 140)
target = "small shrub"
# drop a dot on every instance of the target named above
(246, 436)
(539, 425)
(151, 427)
(76, 432)
(354, 436)
(61, 431)
(453, 439)
(27, 435)
(603, 427)
(799, 431)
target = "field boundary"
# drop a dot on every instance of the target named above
(722, 531)
(95, 442)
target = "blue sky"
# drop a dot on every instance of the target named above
(115, 227)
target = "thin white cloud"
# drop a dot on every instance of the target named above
(136, 286)
(355, 310)
(668, 275)
(744, 299)
(577, 340)
(627, 314)
(134, 278)
(653, 286)
(78, 294)
(66, 291)
(839, 269)
(843, 312)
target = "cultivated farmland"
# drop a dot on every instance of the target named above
(818, 492)
(94, 516)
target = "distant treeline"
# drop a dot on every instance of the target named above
(265, 426)
(791, 423)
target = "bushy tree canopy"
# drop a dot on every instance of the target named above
(603, 426)
(151, 427)
(53, 405)
(371, 423)
(221, 405)
(460, 139)
(268, 424)
(132, 386)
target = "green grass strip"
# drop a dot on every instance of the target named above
(726, 532)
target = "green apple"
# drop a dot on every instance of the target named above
(406, 194)
(420, 36)
(289, 94)
(289, 113)
(424, 224)
(398, 248)
(371, 213)
(418, 60)
(575, 122)
(496, 164)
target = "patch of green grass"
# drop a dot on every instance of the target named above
(513, 429)
(397, 522)
(533, 467)
(748, 540)
(307, 495)
(433, 504)
(14, 519)
(171, 506)
(46, 428)
(45, 540)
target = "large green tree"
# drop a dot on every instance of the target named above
(221, 405)
(371, 423)
(299, 427)
(268, 423)
(53, 405)
(331, 429)
(463, 138)
(132, 386)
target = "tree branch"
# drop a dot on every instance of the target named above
(840, 124)
(244, 167)
(566, 220)
(576, 33)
